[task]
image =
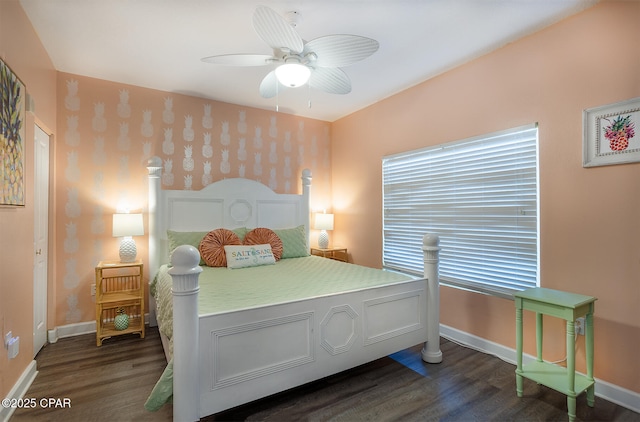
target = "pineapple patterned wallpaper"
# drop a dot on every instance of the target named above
(108, 131)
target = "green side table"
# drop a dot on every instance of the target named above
(568, 306)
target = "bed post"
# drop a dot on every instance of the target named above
(306, 194)
(430, 247)
(186, 377)
(154, 167)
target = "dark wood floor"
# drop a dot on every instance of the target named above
(112, 382)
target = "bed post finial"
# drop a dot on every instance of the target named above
(184, 272)
(306, 177)
(154, 165)
(185, 260)
(431, 248)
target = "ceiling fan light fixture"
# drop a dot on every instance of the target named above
(324, 56)
(293, 75)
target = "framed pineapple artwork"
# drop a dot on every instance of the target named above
(12, 134)
(610, 134)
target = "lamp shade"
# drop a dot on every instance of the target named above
(323, 221)
(127, 225)
(293, 75)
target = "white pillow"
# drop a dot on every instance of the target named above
(242, 256)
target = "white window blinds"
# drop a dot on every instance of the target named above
(480, 196)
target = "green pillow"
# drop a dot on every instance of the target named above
(241, 232)
(294, 242)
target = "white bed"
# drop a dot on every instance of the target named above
(216, 364)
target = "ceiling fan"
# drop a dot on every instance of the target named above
(317, 62)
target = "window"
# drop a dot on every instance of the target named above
(480, 196)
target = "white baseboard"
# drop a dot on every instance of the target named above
(610, 392)
(618, 395)
(76, 329)
(19, 389)
(71, 330)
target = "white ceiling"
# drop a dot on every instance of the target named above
(159, 43)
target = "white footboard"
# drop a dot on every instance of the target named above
(221, 361)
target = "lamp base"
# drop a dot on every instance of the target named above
(323, 240)
(128, 250)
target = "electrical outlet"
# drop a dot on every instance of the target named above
(93, 290)
(580, 326)
(13, 348)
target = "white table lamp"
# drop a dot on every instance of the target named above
(323, 222)
(126, 226)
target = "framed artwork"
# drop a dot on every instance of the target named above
(609, 134)
(12, 134)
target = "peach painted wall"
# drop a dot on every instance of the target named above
(590, 218)
(107, 133)
(21, 50)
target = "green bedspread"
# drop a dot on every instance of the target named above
(223, 290)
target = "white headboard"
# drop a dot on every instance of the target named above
(228, 203)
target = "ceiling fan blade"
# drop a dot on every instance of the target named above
(240, 59)
(276, 31)
(330, 79)
(340, 50)
(269, 85)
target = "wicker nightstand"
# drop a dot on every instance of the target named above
(119, 286)
(339, 254)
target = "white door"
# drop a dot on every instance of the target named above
(41, 228)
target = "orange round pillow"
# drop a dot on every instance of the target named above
(261, 236)
(212, 246)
